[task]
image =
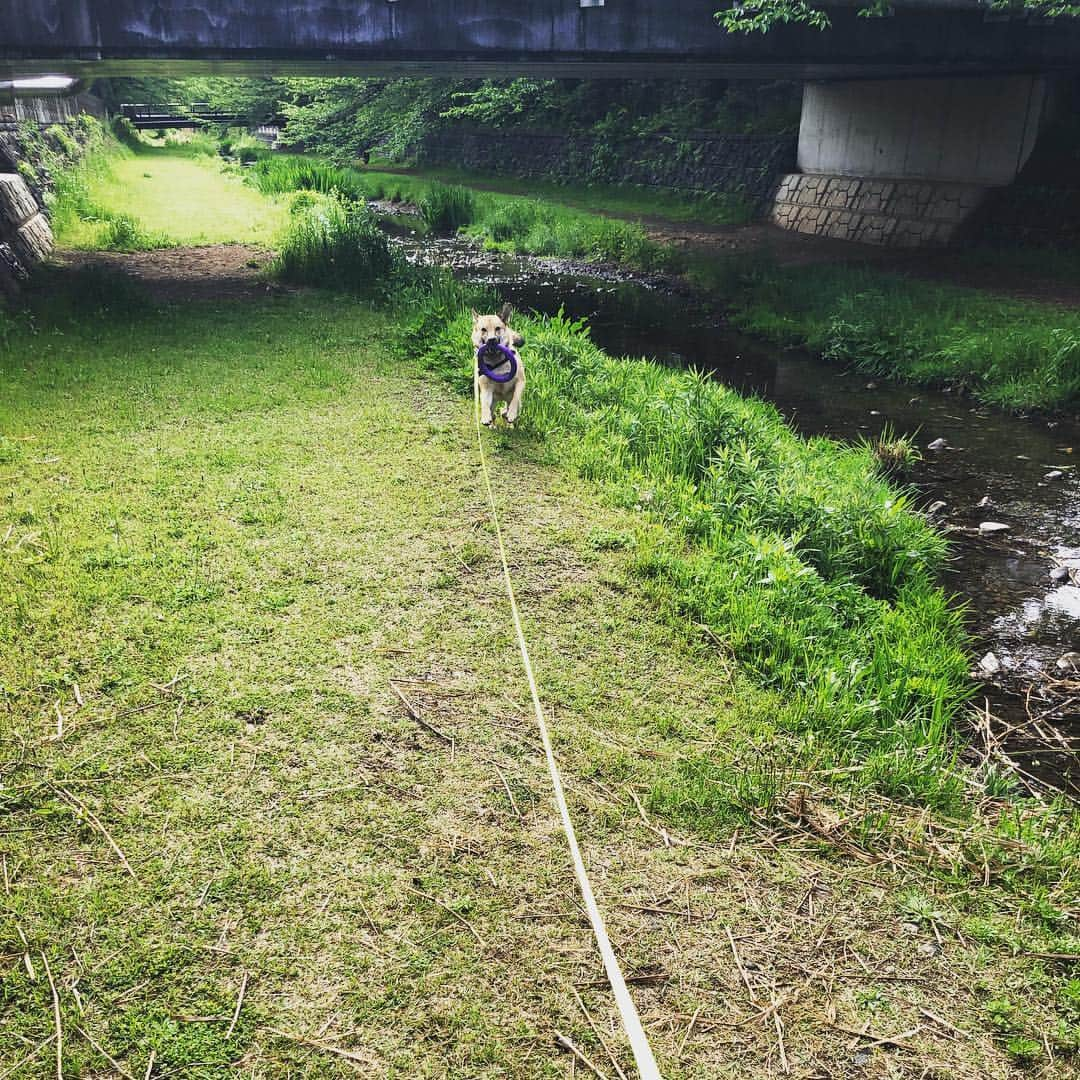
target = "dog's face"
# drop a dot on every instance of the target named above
(493, 328)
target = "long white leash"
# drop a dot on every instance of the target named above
(639, 1041)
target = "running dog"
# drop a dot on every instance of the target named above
(500, 373)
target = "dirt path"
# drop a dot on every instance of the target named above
(304, 542)
(182, 274)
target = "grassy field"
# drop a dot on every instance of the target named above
(235, 532)
(181, 200)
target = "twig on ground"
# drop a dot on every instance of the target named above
(415, 714)
(882, 1040)
(599, 1037)
(568, 1044)
(239, 1006)
(75, 801)
(739, 965)
(784, 1067)
(688, 1032)
(353, 1056)
(509, 793)
(56, 1019)
(451, 912)
(104, 1053)
(29, 1057)
(150, 1065)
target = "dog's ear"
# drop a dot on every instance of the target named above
(505, 314)
(475, 314)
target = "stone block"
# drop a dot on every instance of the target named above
(17, 204)
(33, 242)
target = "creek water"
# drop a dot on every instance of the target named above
(1020, 585)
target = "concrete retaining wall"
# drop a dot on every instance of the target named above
(901, 213)
(705, 162)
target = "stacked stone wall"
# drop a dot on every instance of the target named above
(706, 162)
(899, 213)
(25, 235)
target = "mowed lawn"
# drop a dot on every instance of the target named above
(190, 200)
(233, 537)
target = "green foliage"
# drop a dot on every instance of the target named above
(1012, 353)
(280, 174)
(538, 227)
(447, 208)
(760, 16)
(121, 232)
(125, 131)
(338, 244)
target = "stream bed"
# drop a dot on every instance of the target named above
(1020, 583)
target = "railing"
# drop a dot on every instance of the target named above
(174, 114)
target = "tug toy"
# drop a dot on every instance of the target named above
(492, 355)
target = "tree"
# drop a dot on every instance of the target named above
(760, 16)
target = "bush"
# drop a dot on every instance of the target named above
(447, 207)
(126, 132)
(123, 233)
(64, 140)
(338, 244)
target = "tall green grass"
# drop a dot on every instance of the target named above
(1013, 353)
(338, 244)
(281, 174)
(447, 207)
(797, 555)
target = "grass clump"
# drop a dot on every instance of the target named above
(281, 174)
(337, 244)
(447, 207)
(1012, 353)
(122, 232)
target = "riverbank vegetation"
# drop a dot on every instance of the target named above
(1012, 353)
(240, 530)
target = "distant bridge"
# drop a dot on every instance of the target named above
(505, 38)
(176, 115)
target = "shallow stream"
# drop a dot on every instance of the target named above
(1021, 584)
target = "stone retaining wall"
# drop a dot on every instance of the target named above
(900, 213)
(705, 162)
(25, 235)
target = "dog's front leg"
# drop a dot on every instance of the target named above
(487, 398)
(514, 407)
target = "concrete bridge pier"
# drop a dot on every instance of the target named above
(906, 162)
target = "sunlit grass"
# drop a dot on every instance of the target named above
(194, 200)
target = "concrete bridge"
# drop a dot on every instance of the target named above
(500, 38)
(908, 120)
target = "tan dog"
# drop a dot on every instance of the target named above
(488, 332)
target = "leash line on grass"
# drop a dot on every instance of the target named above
(635, 1033)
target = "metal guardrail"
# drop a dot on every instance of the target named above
(175, 114)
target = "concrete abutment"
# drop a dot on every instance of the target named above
(907, 162)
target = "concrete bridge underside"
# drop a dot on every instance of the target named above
(494, 38)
